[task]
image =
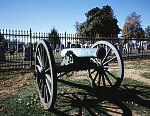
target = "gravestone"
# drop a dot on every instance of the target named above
(145, 46)
(57, 47)
(148, 47)
(11, 48)
(20, 47)
(52, 46)
(121, 48)
(127, 48)
(73, 46)
(2, 53)
(62, 46)
(5, 43)
(130, 48)
(68, 44)
(78, 46)
(27, 54)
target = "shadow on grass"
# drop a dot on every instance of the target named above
(105, 101)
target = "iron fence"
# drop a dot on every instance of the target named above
(17, 50)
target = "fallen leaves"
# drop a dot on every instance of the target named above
(19, 100)
(31, 102)
(1, 108)
(136, 105)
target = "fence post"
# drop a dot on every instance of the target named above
(65, 39)
(31, 48)
(128, 47)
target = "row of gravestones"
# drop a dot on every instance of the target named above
(25, 48)
(128, 47)
(123, 48)
(69, 45)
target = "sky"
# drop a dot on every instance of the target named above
(43, 15)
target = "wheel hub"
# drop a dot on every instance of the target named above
(100, 66)
(40, 72)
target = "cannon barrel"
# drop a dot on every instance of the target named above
(82, 52)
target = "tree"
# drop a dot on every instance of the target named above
(77, 24)
(53, 37)
(132, 27)
(101, 22)
(147, 32)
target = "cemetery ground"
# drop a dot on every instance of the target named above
(75, 96)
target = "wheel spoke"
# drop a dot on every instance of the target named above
(46, 61)
(112, 67)
(93, 71)
(46, 95)
(39, 83)
(106, 55)
(108, 79)
(104, 83)
(48, 77)
(48, 86)
(39, 60)
(47, 92)
(47, 70)
(94, 60)
(99, 80)
(96, 76)
(43, 56)
(110, 60)
(39, 57)
(42, 89)
(112, 75)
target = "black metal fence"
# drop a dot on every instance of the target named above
(17, 50)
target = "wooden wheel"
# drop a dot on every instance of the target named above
(45, 74)
(109, 68)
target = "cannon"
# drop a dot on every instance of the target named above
(102, 61)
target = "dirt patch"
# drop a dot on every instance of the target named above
(113, 110)
(136, 75)
(135, 62)
(10, 86)
(79, 78)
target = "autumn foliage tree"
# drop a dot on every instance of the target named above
(132, 26)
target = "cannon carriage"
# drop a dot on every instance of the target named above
(102, 61)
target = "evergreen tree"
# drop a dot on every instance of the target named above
(53, 37)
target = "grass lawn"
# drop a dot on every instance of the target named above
(19, 96)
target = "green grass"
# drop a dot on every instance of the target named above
(77, 97)
(137, 95)
(139, 67)
(146, 75)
